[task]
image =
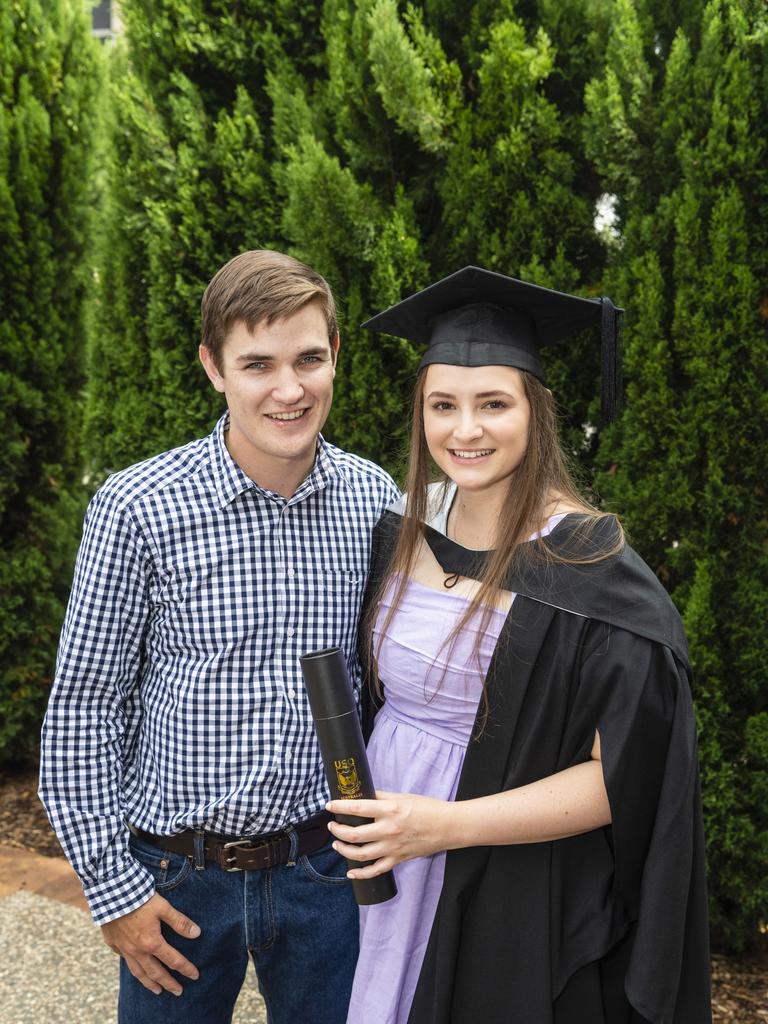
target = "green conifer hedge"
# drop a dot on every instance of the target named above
(679, 136)
(48, 125)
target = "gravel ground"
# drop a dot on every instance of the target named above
(54, 968)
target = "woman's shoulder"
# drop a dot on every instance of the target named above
(585, 535)
(598, 575)
(558, 505)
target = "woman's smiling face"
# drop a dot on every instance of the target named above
(476, 423)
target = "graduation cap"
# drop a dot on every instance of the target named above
(476, 317)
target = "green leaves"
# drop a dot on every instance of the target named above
(619, 106)
(685, 463)
(51, 76)
(511, 70)
(417, 85)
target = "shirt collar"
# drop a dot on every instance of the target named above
(327, 467)
(230, 480)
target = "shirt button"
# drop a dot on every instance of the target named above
(291, 573)
(291, 693)
(290, 631)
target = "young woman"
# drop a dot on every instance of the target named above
(534, 742)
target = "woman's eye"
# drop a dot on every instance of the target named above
(496, 403)
(441, 406)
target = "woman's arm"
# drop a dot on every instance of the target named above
(407, 826)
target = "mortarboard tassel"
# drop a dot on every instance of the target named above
(610, 360)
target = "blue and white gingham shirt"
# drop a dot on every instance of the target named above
(178, 700)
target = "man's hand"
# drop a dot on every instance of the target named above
(137, 938)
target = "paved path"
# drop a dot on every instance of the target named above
(54, 967)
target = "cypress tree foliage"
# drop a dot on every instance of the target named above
(684, 149)
(48, 130)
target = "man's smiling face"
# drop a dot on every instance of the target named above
(278, 382)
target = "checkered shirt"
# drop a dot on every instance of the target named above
(178, 701)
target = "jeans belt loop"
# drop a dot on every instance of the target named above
(199, 848)
(293, 852)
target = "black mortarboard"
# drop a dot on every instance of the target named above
(479, 318)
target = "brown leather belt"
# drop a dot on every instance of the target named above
(245, 853)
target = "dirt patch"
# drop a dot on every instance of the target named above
(739, 987)
(739, 990)
(23, 822)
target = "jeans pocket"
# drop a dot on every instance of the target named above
(168, 869)
(324, 866)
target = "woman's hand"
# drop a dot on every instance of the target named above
(404, 826)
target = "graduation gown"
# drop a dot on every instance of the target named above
(608, 927)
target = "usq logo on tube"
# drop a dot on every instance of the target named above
(348, 779)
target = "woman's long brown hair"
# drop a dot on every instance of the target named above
(542, 473)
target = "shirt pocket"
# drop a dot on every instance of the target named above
(339, 579)
(329, 599)
(340, 586)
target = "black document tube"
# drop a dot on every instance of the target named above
(343, 751)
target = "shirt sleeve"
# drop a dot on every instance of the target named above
(390, 493)
(84, 731)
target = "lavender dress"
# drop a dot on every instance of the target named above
(417, 746)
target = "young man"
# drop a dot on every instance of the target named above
(179, 764)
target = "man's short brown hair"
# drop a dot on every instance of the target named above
(260, 286)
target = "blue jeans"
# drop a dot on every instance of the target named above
(299, 924)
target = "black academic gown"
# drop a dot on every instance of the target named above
(609, 927)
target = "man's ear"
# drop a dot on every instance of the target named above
(210, 367)
(335, 351)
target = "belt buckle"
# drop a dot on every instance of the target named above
(242, 843)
